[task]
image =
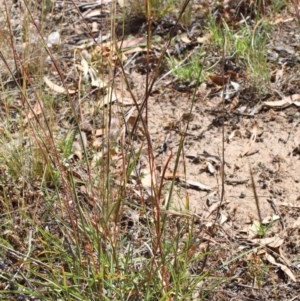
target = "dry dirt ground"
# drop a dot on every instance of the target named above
(261, 134)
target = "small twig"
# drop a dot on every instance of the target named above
(274, 207)
(255, 195)
(222, 167)
(295, 124)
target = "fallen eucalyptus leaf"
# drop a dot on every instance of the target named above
(273, 242)
(194, 185)
(57, 88)
(283, 267)
(285, 102)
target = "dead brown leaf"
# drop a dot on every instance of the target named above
(219, 80)
(194, 184)
(57, 88)
(204, 39)
(273, 242)
(283, 267)
(285, 102)
(36, 110)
